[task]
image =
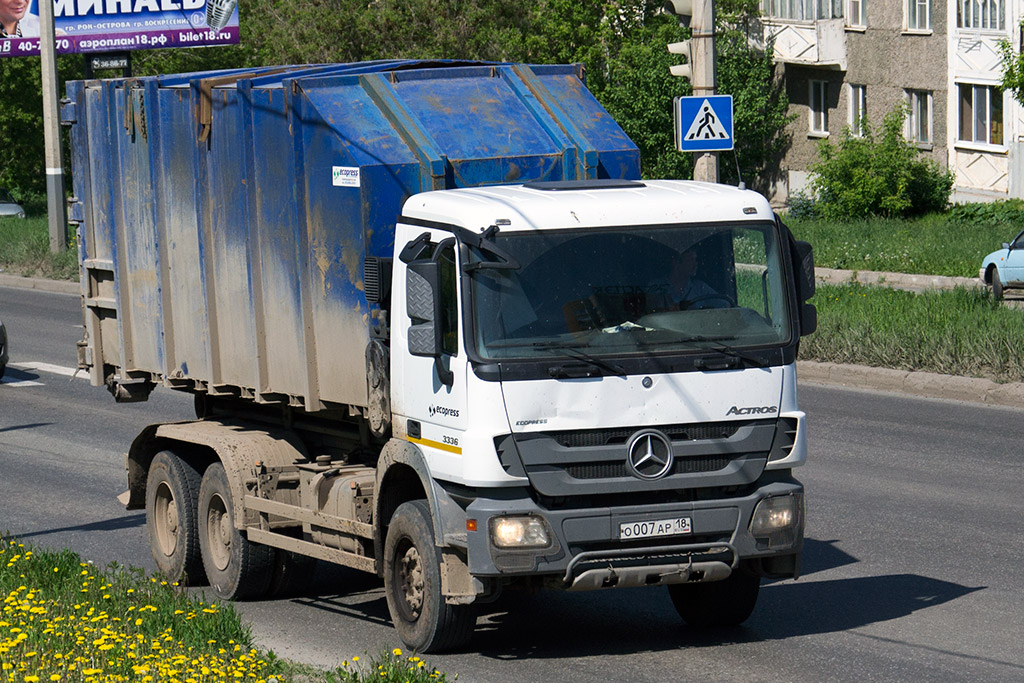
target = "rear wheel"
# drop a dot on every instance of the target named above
(172, 495)
(997, 284)
(719, 603)
(237, 568)
(412, 583)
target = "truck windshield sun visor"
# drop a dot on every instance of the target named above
(633, 291)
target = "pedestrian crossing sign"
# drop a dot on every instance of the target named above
(704, 123)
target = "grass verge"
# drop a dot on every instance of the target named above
(62, 619)
(954, 333)
(25, 250)
(931, 245)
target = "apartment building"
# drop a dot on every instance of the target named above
(842, 59)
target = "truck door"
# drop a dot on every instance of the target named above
(428, 356)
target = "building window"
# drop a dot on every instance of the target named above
(981, 114)
(856, 14)
(919, 15)
(803, 10)
(819, 107)
(919, 122)
(990, 14)
(858, 109)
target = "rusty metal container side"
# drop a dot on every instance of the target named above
(232, 210)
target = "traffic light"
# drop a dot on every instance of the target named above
(681, 70)
(683, 9)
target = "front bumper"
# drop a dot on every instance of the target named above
(585, 550)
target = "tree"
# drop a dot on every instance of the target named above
(760, 105)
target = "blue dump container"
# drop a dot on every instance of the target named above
(224, 216)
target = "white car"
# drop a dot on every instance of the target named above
(9, 207)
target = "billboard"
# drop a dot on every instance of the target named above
(118, 25)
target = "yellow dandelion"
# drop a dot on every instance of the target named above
(396, 652)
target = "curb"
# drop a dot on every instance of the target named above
(835, 276)
(40, 284)
(923, 384)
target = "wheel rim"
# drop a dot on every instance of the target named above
(165, 520)
(219, 532)
(408, 574)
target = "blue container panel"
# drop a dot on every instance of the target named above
(226, 234)
(139, 280)
(482, 127)
(281, 251)
(99, 197)
(175, 176)
(618, 157)
(339, 223)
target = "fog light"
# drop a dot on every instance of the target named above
(777, 519)
(519, 532)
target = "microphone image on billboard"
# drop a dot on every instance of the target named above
(218, 13)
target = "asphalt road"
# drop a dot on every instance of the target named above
(913, 567)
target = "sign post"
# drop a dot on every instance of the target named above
(56, 207)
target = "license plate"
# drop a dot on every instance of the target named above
(658, 527)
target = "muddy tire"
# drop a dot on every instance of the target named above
(412, 583)
(717, 604)
(237, 568)
(172, 501)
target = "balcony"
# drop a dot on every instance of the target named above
(820, 43)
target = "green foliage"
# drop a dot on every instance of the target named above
(884, 176)
(1012, 63)
(387, 667)
(931, 245)
(1006, 211)
(760, 104)
(954, 333)
(25, 250)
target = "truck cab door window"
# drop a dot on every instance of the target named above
(449, 301)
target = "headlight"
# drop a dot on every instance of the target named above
(777, 520)
(526, 531)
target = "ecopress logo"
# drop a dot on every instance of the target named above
(443, 411)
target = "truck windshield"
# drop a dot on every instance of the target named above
(632, 290)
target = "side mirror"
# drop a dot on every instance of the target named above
(808, 319)
(423, 306)
(804, 267)
(1006, 245)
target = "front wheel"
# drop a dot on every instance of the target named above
(412, 583)
(237, 568)
(997, 285)
(719, 603)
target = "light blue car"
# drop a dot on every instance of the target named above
(1004, 269)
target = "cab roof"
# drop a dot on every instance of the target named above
(567, 204)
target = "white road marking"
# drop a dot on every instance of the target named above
(20, 383)
(46, 367)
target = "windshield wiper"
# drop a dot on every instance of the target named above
(572, 349)
(725, 349)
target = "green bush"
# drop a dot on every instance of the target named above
(877, 176)
(989, 213)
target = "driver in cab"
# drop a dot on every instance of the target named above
(686, 291)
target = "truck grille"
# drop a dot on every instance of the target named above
(611, 470)
(620, 435)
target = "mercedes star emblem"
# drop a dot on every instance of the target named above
(649, 455)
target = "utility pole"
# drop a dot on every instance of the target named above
(56, 207)
(699, 15)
